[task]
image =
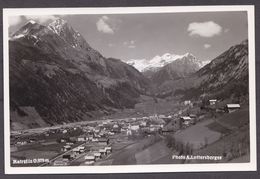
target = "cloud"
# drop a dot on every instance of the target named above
(14, 20)
(204, 29)
(104, 26)
(130, 44)
(206, 46)
(41, 19)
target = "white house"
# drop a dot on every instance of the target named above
(81, 139)
(128, 132)
(135, 127)
(103, 151)
(186, 120)
(143, 123)
(64, 131)
(232, 107)
(212, 101)
(115, 126)
(97, 155)
(66, 148)
(108, 149)
(89, 159)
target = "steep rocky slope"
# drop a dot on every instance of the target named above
(224, 77)
(54, 70)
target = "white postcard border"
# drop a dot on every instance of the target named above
(251, 166)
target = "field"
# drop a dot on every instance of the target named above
(230, 147)
(234, 141)
(214, 126)
(149, 106)
(236, 119)
(32, 154)
(198, 135)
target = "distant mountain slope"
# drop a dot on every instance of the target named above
(54, 70)
(227, 75)
(177, 69)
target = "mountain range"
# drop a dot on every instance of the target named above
(158, 62)
(56, 77)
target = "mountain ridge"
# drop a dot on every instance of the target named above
(65, 83)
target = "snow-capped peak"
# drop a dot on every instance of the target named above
(189, 55)
(160, 61)
(156, 62)
(30, 28)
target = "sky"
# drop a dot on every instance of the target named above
(143, 36)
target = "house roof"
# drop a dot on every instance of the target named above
(186, 117)
(213, 100)
(108, 148)
(88, 157)
(75, 149)
(233, 105)
(102, 150)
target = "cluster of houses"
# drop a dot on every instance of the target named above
(94, 156)
(228, 108)
(213, 102)
(98, 136)
(183, 121)
(96, 133)
(127, 126)
(71, 152)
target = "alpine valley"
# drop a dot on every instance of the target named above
(56, 77)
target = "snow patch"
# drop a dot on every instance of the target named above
(34, 36)
(18, 36)
(32, 22)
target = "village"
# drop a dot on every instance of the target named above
(94, 142)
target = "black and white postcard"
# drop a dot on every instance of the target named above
(129, 89)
